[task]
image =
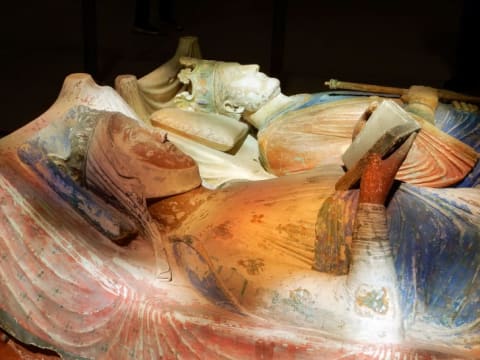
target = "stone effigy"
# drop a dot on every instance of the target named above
(110, 248)
(221, 93)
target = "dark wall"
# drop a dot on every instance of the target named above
(384, 42)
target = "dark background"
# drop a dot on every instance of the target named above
(302, 42)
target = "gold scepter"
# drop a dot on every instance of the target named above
(446, 95)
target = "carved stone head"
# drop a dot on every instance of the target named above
(226, 88)
(106, 165)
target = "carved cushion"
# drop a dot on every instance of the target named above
(216, 131)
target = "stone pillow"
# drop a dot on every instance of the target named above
(213, 130)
